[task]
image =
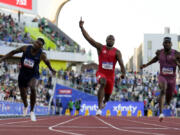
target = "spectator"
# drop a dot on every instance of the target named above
(77, 105)
(70, 106)
(59, 107)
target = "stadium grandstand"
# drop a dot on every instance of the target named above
(17, 29)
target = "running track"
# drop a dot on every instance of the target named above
(90, 125)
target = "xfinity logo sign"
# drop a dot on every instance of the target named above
(113, 107)
(85, 107)
(125, 108)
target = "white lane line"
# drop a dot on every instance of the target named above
(16, 122)
(154, 124)
(132, 131)
(169, 122)
(36, 126)
(151, 124)
(80, 127)
(20, 126)
(146, 128)
(80, 130)
(62, 131)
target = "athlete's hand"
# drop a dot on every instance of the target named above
(81, 23)
(143, 66)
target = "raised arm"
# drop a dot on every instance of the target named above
(155, 59)
(47, 62)
(120, 61)
(13, 52)
(87, 37)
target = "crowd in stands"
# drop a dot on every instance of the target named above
(85, 81)
(135, 87)
(11, 31)
(62, 43)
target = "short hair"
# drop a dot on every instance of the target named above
(41, 39)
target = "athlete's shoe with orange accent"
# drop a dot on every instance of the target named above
(161, 117)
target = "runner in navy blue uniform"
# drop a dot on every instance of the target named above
(29, 71)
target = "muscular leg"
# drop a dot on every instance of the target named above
(170, 89)
(102, 82)
(33, 84)
(107, 97)
(168, 97)
(23, 92)
(163, 87)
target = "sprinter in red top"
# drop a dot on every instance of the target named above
(108, 56)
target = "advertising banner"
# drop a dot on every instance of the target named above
(113, 107)
(63, 91)
(12, 108)
(27, 6)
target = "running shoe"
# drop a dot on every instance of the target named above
(33, 116)
(25, 109)
(99, 112)
(161, 117)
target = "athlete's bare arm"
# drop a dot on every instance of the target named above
(177, 55)
(88, 38)
(47, 62)
(120, 61)
(13, 52)
(155, 59)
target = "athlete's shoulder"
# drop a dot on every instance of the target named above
(43, 53)
(104, 46)
(115, 48)
(118, 52)
(158, 52)
(175, 51)
(23, 48)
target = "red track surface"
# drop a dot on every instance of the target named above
(90, 125)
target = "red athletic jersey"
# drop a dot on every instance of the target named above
(107, 61)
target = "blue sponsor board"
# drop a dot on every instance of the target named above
(63, 91)
(66, 94)
(114, 107)
(12, 108)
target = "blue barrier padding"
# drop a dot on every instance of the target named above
(13, 108)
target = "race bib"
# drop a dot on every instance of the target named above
(167, 70)
(107, 65)
(28, 63)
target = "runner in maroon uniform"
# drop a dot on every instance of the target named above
(108, 56)
(168, 59)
